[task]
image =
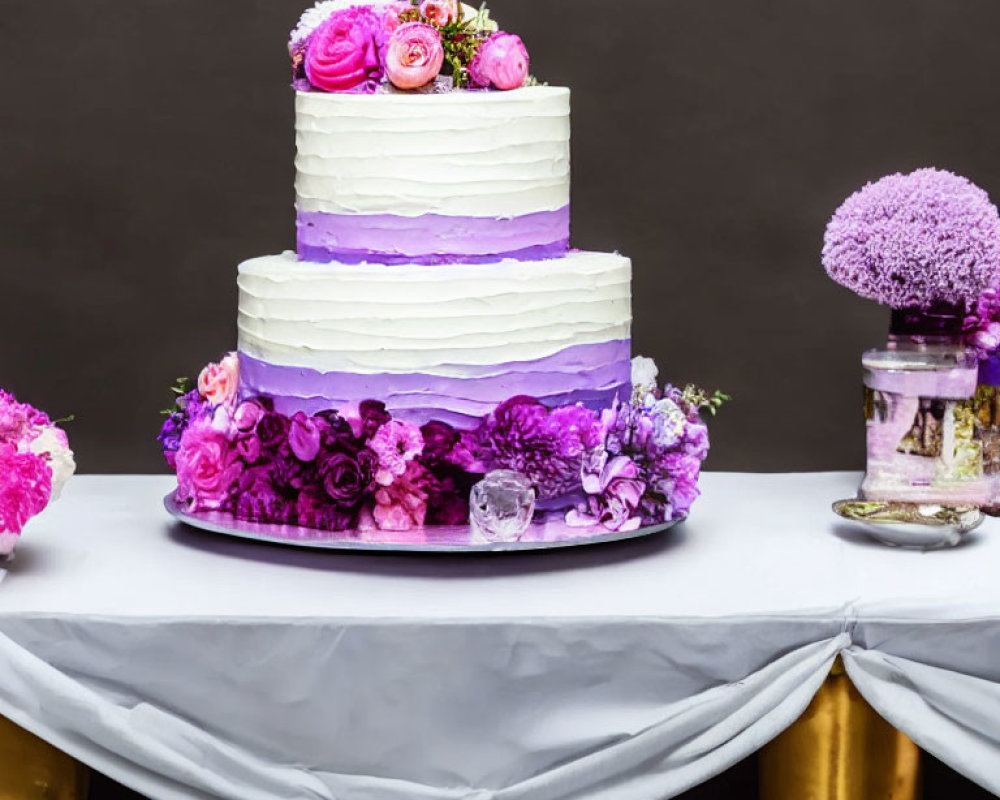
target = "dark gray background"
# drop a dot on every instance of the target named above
(147, 148)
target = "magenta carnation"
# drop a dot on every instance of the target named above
(343, 53)
(25, 487)
(914, 241)
(395, 444)
(547, 447)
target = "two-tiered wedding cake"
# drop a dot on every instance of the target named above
(433, 324)
(433, 269)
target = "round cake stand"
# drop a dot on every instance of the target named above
(430, 539)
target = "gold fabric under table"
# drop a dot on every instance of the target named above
(840, 749)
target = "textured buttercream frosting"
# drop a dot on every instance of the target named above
(432, 177)
(412, 318)
(445, 340)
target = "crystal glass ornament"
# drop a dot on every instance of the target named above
(501, 506)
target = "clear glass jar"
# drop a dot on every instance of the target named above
(988, 427)
(920, 414)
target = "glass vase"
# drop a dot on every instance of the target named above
(923, 442)
(988, 428)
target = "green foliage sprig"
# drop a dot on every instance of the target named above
(703, 401)
(180, 388)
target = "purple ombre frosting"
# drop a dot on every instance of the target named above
(592, 374)
(430, 238)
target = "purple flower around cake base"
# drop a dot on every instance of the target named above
(633, 462)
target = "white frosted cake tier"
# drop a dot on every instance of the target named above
(462, 176)
(447, 339)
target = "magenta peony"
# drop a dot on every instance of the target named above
(439, 12)
(501, 62)
(414, 55)
(208, 467)
(343, 52)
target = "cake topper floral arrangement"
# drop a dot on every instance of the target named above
(35, 463)
(926, 241)
(358, 468)
(385, 45)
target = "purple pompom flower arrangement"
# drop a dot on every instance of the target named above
(359, 468)
(918, 241)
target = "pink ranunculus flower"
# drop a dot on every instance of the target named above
(395, 445)
(414, 55)
(218, 383)
(439, 12)
(501, 62)
(208, 467)
(343, 52)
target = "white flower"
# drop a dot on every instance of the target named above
(480, 19)
(51, 442)
(669, 422)
(313, 17)
(644, 373)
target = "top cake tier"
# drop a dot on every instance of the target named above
(461, 177)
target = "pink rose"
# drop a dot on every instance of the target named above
(501, 62)
(439, 12)
(343, 52)
(208, 467)
(218, 382)
(414, 55)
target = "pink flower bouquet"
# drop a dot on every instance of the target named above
(35, 463)
(369, 46)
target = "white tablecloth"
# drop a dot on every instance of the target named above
(191, 665)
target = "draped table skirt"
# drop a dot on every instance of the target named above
(189, 665)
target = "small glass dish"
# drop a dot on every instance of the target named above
(923, 526)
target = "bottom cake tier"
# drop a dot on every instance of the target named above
(442, 342)
(633, 461)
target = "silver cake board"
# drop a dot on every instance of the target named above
(428, 539)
